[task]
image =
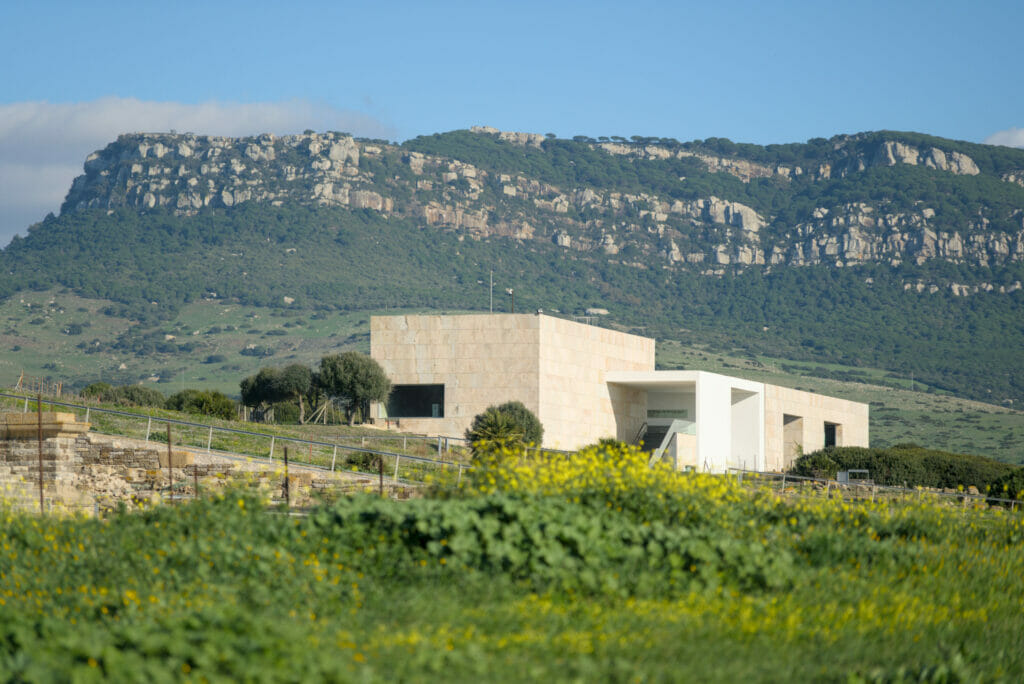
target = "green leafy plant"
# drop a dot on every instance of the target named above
(505, 426)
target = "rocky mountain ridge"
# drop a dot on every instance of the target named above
(670, 226)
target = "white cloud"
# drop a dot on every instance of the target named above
(1011, 137)
(43, 145)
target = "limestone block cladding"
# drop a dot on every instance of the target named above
(555, 367)
(801, 422)
(54, 424)
(577, 404)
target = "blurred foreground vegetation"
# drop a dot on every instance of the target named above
(593, 567)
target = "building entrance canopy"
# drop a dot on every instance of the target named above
(720, 419)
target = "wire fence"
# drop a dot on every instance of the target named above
(396, 468)
(795, 485)
(357, 458)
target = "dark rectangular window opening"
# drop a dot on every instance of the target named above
(416, 401)
(830, 435)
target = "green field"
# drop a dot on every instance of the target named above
(595, 568)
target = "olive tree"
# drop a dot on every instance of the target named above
(353, 380)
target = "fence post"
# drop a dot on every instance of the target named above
(398, 459)
(334, 457)
(170, 473)
(271, 447)
(439, 448)
(209, 441)
(25, 407)
(783, 487)
(149, 426)
(362, 441)
(287, 484)
(39, 415)
(405, 445)
(459, 479)
(87, 408)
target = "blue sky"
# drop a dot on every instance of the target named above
(76, 74)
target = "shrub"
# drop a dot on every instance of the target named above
(509, 425)
(135, 395)
(285, 412)
(125, 395)
(1010, 485)
(202, 403)
(816, 464)
(906, 464)
(96, 390)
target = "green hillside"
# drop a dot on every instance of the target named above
(302, 259)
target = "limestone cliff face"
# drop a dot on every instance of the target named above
(188, 173)
(847, 157)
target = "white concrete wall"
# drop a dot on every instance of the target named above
(747, 429)
(714, 422)
(729, 435)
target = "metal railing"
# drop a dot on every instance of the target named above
(334, 447)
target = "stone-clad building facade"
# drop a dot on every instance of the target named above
(585, 383)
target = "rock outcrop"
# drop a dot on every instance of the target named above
(188, 173)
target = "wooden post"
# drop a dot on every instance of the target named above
(39, 416)
(380, 471)
(287, 484)
(170, 473)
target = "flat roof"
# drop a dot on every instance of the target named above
(678, 380)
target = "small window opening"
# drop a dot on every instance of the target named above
(416, 401)
(831, 435)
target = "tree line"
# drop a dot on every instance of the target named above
(349, 381)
